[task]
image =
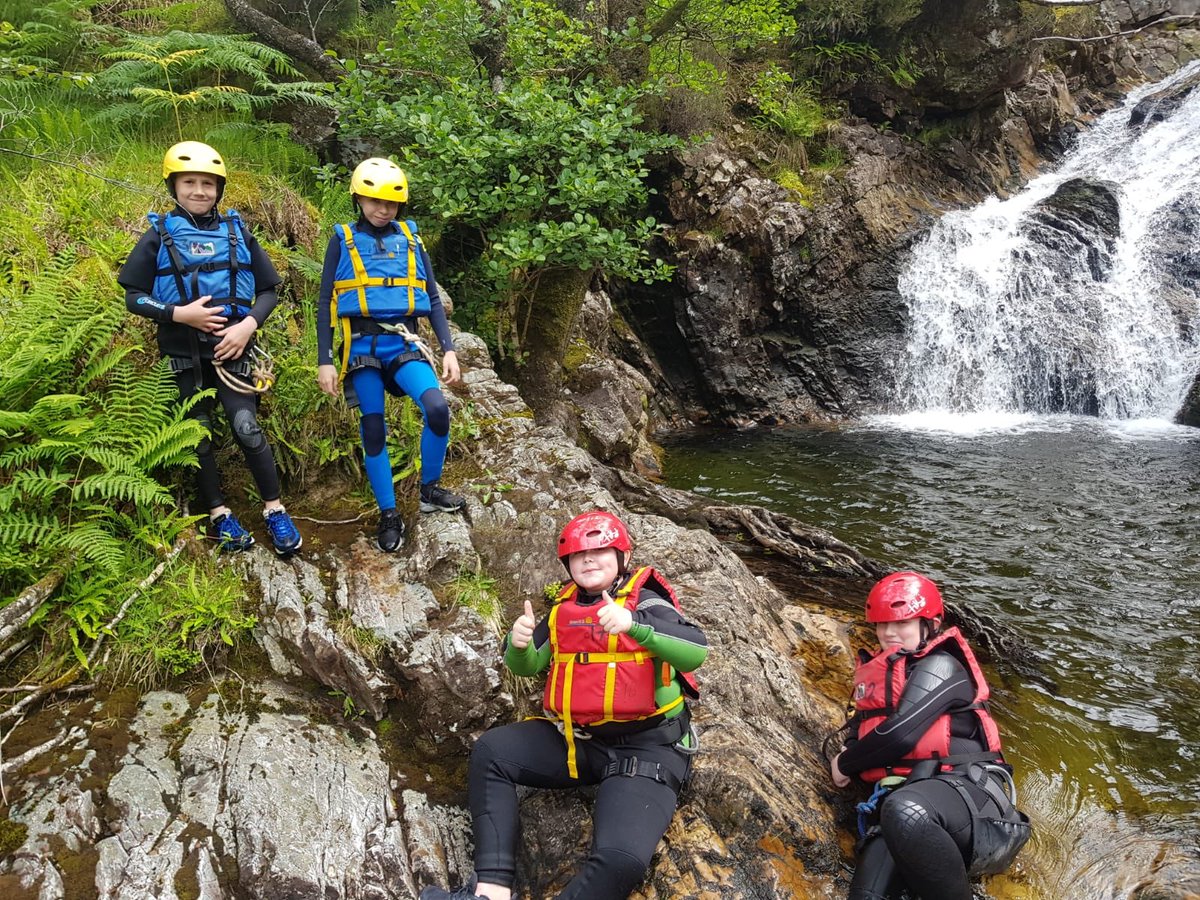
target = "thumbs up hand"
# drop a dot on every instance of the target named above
(612, 618)
(522, 630)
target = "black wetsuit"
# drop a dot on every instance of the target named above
(629, 816)
(925, 832)
(186, 344)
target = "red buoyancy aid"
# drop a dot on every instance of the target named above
(596, 678)
(879, 682)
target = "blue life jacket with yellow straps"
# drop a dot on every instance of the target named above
(194, 262)
(381, 278)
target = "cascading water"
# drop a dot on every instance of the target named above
(1010, 312)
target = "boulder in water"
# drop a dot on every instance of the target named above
(1159, 105)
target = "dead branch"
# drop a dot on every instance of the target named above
(62, 681)
(275, 34)
(1109, 37)
(14, 616)
(71, 675)
(14, 764)
(14, 650)
(176, 549)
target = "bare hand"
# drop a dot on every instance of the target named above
(234, 339)
(450, 370)
(522, 630)
(199, 316)
(613, 619)
(327, 379)
(839, 780)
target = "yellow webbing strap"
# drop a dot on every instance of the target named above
(568, 728)
(412, 266)
(360, 280)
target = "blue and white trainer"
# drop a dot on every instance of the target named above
(230, 534)
(284, 535)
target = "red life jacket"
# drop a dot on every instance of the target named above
(878, 684)
(596, 678)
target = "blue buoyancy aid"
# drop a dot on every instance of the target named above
(194, 262)
(381, 278)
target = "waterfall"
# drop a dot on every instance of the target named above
(1008, 315)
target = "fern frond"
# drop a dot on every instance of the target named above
(121, 486)
(94, 543)
(21, 528)
(102, 364)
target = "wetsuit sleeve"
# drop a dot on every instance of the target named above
(936, 684)
(266, 279)
(137, 277)
(437, 312)
(533, 658)
(658, 626)
(333, 254)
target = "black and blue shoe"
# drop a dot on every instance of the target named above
(435, 498)
(284, 535)
(230, 534)
(391, 531)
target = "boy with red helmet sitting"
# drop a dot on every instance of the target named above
(620, 655)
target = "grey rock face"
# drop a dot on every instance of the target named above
(217, 800)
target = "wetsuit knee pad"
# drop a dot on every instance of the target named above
(437, 413)
(374, 433)
(247, 430)
(904, 819)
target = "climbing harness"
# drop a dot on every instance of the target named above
(868, 807)
(414, 339)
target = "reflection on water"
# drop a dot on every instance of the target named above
(1085, 537)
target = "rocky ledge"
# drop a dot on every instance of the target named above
(329, 760)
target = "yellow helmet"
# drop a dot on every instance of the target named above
(193, 156)
(381, 179)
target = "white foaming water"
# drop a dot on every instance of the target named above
(996, 331)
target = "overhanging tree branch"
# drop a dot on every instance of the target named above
(1108, 37)
(273, 33)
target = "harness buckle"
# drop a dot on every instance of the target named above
(582, 658)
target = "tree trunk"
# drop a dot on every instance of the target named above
(555, 305)
(270, 31)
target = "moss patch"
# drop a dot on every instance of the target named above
(12, 835)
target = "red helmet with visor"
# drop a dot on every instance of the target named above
(904, 595)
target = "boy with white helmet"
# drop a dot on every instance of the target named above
(376, 283)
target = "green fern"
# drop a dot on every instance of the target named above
(159, 74)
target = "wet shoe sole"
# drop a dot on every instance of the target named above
(433, 507)
(284, 554)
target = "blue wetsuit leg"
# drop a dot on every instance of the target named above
(417, 379)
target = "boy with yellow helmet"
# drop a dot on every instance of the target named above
(208, 284)
(377, 282)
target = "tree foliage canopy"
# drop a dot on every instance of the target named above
(516, 144)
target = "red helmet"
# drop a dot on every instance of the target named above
(594, 531)
(904, 595)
